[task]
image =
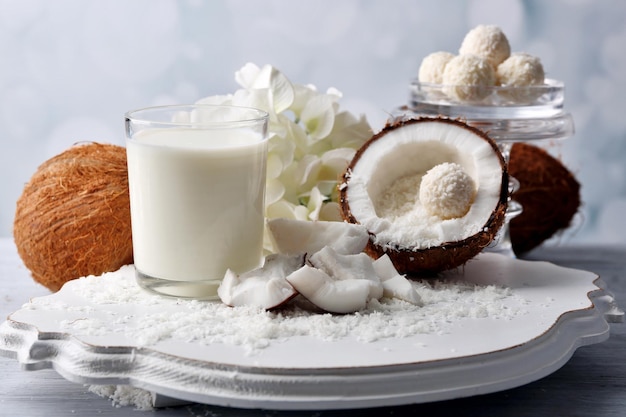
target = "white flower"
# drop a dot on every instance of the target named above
(311, 142)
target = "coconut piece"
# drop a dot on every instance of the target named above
(73, 216)
(487, 41)
(544, 182)
(264, 287)
(343, 267)
(299, 236)
(384, 268)
(332, 295)
(380, 190)
(395, 285)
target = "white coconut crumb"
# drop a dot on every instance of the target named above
(124, 396)
(401, 205)
(401, 199)
(161, 319)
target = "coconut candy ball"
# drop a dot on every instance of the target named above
(447, 191)
(432, 67)
(465, 74)
(520, 70)
(487, 41)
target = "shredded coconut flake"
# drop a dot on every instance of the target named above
(124, 396)
(160, 319)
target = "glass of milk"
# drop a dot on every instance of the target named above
(197, 186)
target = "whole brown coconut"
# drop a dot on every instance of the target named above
(548, 193)
(73, 217)
(447, 255)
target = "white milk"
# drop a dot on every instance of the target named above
(197, 202)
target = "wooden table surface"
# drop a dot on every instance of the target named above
(592, 383)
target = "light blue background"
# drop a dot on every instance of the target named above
(69, 69)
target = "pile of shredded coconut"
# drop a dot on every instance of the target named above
(101, 306)
(157, 318)
(124, 396)
(401, 205)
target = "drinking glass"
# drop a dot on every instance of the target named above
(197, 187)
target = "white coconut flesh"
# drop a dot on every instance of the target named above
(329, 268)
(394, 284)
(328, 293)
(345, 267)
(384, 185)
(292, 236)
(264, 287)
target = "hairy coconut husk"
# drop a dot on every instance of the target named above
(549, 194)
(449, 255)
(73, 217)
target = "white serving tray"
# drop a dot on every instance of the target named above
(557, 310)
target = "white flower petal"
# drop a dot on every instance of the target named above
(301, 213)
(296, 135)
(217, 100)
(333, 92)
(349, 131)
(283, 148)
(316, 199)
(282, 93)
(335, 162)
(327, 187)
(319, 116)
(279, 125)
(181, 117)
(274, 165)
(281, 209)
(274, 191)
(289, 181)
(307, 170)
(302, 95)
(330, 212)
(247, 75)
(258, 98)
(338, 154)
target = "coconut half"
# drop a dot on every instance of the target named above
(544, 182)
(455, 216)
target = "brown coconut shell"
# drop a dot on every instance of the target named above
(73, 217)
(549, 194)
(449, 255)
